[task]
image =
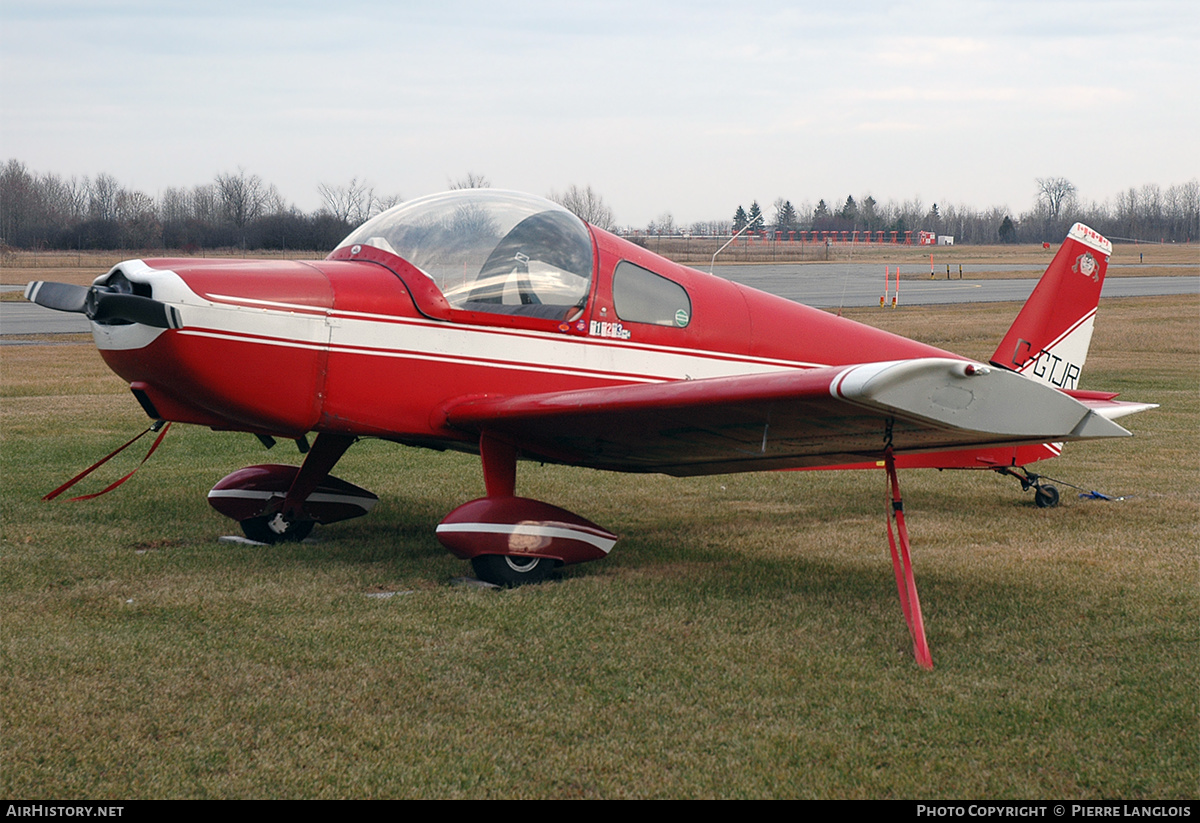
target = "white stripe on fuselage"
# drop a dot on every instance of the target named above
(280, 324)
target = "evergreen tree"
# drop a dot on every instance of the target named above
(868, 213)
(1008, 230)
(785, 216)
(849, 211)
(739, 219)
(755, 217)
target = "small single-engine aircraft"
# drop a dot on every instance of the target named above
(501, 324)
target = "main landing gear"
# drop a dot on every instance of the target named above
(280, 504)
(1044, 495)
(511, 540)
(276, 529)
(509, 571)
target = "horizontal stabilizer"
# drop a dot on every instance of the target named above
(1116, 409)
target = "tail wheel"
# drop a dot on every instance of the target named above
(275, 529)
(503, 570)
(1046, 497)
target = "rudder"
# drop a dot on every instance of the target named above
(1049, 339)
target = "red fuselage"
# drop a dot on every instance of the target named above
(365, 344)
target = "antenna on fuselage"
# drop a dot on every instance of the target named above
(744, 228)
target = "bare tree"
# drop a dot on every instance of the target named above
(1187, 209)
(1057, 193)
(471, 181)
(174, 205)
(355, 202)
(104, 195)
(586, 204)
(140, 227)
(274, 203)
(205, 203)
(382, 204)
(134, 204)
(346, 203)
(19, 202)
(245, 197)
(664, 224)
(66, 199)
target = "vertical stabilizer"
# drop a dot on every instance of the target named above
(1049, 339)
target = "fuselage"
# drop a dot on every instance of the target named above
(366, 343)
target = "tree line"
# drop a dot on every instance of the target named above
(235, 210)
(240, 210)
(1146, 214)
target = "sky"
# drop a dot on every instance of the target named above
(688, 108)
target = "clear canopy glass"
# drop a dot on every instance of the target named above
(490, 250)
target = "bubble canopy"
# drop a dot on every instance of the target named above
(490, 250)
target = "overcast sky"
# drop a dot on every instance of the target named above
(684, 107)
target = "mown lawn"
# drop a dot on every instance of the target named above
(743, 640)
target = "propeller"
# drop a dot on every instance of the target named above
(103, 304)
(57, 296)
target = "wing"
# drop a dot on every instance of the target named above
(790, 419)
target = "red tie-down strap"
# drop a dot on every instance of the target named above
(153, 427)
(902, 563)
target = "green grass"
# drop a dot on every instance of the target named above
(743, 640)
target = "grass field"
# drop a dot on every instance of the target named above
(744, 639)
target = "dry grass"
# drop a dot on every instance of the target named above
(19, 267)
(744, 639)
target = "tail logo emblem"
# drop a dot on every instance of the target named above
(1086, 265)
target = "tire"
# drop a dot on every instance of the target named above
(259, 530)
(502, 570)
(1046, 497)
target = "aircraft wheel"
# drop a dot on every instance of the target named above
(260, 529)
(1046, 497)
(502, 570)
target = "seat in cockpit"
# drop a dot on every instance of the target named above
(534, 270)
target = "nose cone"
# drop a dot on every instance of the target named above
(242, 344)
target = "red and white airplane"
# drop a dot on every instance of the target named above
(500, 324)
